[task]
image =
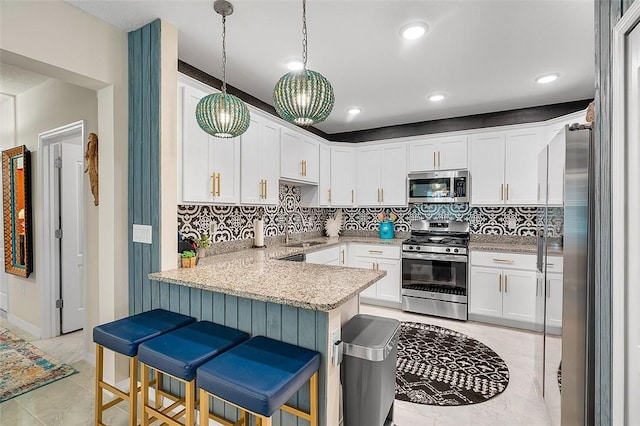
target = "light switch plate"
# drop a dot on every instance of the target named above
(142, 234)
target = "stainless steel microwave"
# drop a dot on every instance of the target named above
(449, 186)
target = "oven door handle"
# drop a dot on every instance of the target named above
(433, 256)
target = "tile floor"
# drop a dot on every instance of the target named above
(70, 401)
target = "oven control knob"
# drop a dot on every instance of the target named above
(410, 247)
(455, 250)
(417, 247)
(448, 250)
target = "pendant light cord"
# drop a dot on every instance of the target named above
(304, 34)
(224, 54)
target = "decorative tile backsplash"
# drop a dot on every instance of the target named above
(236, 222)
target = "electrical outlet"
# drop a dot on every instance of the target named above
(336, 347)
(511, 224)
(213, 228)
(335, 335)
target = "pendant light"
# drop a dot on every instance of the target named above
(222, 115)
(303, 97)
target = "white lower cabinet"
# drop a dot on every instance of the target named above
(327, 256)
(383, 258)
(498, 289)
(555, 268)
(554, 300)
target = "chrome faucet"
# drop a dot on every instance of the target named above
(289, 223)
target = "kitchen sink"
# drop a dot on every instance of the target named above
(304, 244)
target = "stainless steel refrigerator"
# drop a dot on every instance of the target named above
(564, 355)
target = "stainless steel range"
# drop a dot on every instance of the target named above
(434, 268)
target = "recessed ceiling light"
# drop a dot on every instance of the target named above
(414, 31)
(547, 78)
(437, 97)
(295, 65)
(354, 110)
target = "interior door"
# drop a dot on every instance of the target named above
(71, 247)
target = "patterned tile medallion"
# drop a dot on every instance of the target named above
(236, 222)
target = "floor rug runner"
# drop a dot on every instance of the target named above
(438, 366)
(24, 367)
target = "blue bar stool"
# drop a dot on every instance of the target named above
(258, 377)
(123, 337)
(178, 354)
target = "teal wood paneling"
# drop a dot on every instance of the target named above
(144, 166)
(298, 326)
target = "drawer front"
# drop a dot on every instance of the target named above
(555, 264)
(504, 260)
(375, 251)
(324, 256)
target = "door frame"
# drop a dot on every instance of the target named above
(622, 248)
(51, 290)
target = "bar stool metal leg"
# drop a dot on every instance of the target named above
(99, 378)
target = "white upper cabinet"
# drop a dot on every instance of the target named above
(521, 167)
(487, 168)
(210, 165)
(446, 153)
(504, 168)
(381, 175)
(260, 162)
(324, 178)
(368, 176)
(343, 177)
(298, 157)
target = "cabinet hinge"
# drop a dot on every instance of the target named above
(59, 304)
(57, 233)
(57, 163)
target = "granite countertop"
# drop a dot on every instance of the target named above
(513, 246)
(258, 274)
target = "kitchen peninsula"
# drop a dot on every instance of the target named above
(296, 302)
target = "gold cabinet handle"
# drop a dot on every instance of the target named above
(218, 184)
(342, 256)
(373, 266)
(266, 189)
(503, 260)
(213, 184)
(501, 191)
(505, 282)
(500, 283)
(375, 251)
(352, 196)
(261, 188)
(382, 195)
(329, 196)
(378, 194)
(301, 167)
(438, 159)
(434, 159)
(507, 192)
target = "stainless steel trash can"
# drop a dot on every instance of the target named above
(368, 370)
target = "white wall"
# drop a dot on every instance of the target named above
(45, 107)
(56, 39)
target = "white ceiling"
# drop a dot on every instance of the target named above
(483, 54)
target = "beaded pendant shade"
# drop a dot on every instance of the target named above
(223, 115)
(303, 97)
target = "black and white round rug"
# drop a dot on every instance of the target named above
(438, 366)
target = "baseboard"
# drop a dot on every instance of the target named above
(26, 326)
(378, 302)
(505, 322)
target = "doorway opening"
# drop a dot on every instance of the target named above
(62, 170)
